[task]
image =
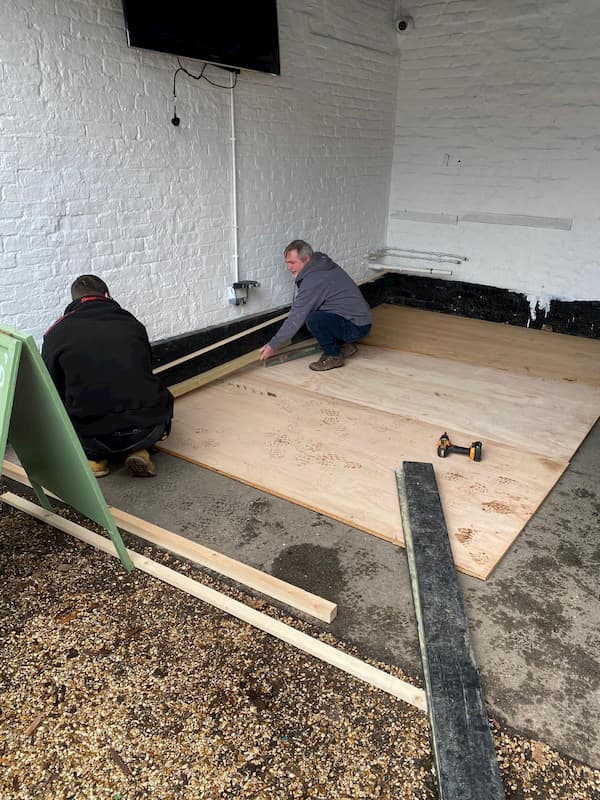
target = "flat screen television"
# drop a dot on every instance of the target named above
(232, 33)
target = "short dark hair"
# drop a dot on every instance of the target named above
(303, 249)
(88, 286)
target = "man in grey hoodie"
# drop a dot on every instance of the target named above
(328, 301)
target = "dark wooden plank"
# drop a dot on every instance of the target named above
(465, 758)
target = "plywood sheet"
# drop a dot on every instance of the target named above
(339, 458)
(331, 441)
(482, 403)
(490, 344)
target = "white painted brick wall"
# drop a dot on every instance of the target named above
(498, 111)
(94, 178)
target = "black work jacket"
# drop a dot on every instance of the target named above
(99, 358)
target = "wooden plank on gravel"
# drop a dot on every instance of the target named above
(268, 585)
(350, 664)
(465, 758)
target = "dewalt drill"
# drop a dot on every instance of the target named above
(445, 447)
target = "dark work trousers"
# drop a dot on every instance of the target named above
(332, 331)
(121, 443)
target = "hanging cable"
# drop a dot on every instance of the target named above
(175, 120)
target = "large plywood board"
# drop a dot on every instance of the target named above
(491, 344)
(339, 458)
(332, 441)
(482, 403)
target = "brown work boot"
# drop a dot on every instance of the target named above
(327, 362)
(349, 349)
(99, 468)
(140, 464)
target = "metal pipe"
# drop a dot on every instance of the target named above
(439, 259)
(420, 270)
(424, 253)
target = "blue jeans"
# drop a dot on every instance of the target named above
(332, 331)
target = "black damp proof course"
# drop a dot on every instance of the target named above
(168, 350)
(578, 318)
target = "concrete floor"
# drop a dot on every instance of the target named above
(535, 622)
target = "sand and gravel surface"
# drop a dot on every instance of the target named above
(118, 686)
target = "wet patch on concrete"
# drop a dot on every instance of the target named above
(321, 522)
(387, 633)
(568, 555)
(584, 669)
(540, 565)
(542, 615)
(582, 493)
(251, 529)
(564, 524)
(312, 567)
(515, 698)
(259, 505)
(254, 525)
(364, 564)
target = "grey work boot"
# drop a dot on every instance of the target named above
(327, 362)
(348, 349)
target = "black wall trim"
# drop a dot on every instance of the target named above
(171, 349)
(580, 318)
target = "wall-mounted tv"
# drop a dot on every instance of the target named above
(233, 33)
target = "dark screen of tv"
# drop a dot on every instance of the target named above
(234, 33)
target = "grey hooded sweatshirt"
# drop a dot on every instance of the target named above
(322, 284)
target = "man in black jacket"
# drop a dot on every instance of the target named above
(99, 358)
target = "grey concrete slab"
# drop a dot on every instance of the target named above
(535, 622)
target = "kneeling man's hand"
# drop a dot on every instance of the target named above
(266, 352)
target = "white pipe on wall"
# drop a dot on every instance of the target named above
(411, 269)
(234, 194)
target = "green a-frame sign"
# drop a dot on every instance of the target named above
(34, 421)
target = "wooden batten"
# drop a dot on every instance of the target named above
(262, 582)
(302, 641)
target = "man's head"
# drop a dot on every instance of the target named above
(297, 255)
(88, 286)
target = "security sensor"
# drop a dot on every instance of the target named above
(403, 24)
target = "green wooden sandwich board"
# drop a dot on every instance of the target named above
(34, 420)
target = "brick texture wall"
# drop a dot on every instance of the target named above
(94, 178)
(497, 143)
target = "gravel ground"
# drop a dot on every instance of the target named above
(117, 686)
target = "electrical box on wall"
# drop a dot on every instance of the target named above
(237, 293)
